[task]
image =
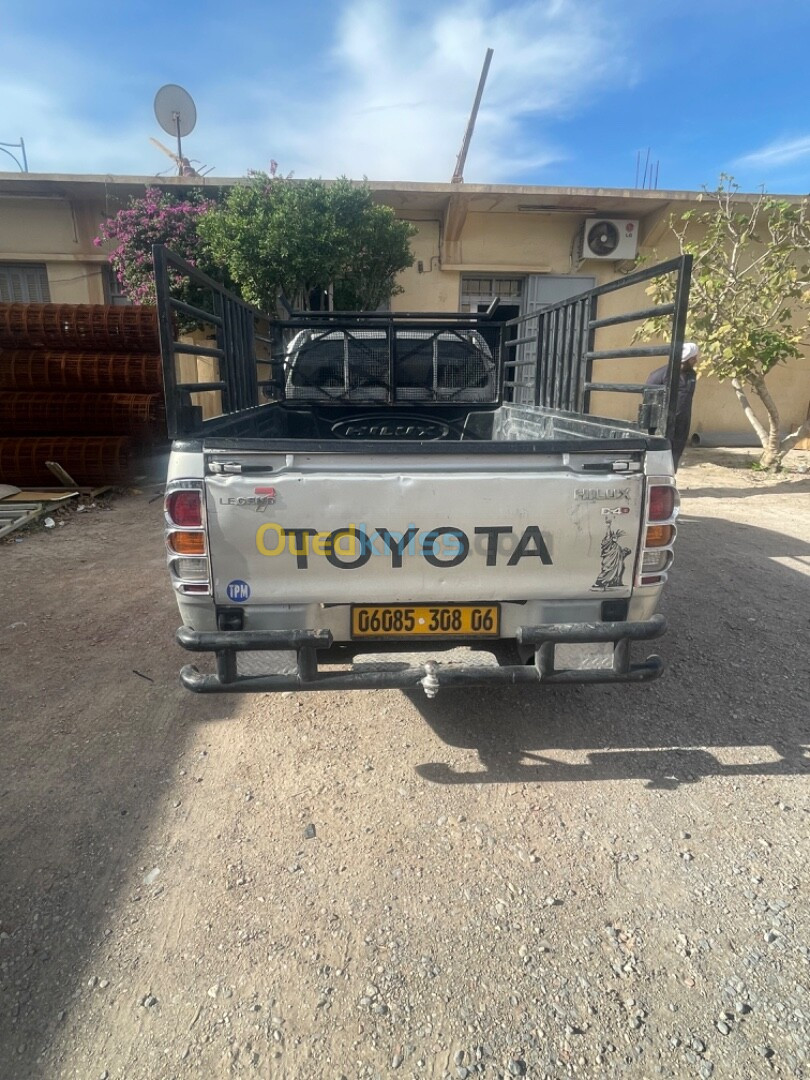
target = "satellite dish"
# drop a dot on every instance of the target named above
(176, 113)
(175, 110)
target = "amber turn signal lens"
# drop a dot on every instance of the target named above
(187, 543)
(658, 535)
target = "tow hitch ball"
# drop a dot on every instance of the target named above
(430, 683)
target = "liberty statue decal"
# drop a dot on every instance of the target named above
(613, 557)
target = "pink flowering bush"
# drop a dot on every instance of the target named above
(160, 217)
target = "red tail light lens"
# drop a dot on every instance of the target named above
(662, 503)
(185, 508)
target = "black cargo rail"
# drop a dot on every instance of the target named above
(634, 444)
(549, 361)
(248, 339)
(239, 330)
(544, 359)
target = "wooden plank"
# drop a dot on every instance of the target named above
(60, 474)
(30, 495)
(26, 506)
(81, 489)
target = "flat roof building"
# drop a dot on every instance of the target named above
(523, 244)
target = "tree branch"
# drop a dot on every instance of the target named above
(761, 388)
(773, 451)
(753, 419)
(790, 440)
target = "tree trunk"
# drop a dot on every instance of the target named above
(772, 457)
(750, 415)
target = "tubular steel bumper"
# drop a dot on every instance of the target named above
(430, 676)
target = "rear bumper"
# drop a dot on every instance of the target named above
(430, 676)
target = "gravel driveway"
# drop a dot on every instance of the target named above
(600, 883)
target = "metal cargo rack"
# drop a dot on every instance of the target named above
(550, 355)
(245, 340)
(543, 359)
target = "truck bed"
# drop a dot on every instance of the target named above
(533, 378)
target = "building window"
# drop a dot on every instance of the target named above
(477, 293)
(112, 289)
(24, 283)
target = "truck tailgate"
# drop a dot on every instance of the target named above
(339, 529)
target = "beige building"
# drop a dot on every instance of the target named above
(474, 242)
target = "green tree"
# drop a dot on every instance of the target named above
(276, 234)
(749, 304)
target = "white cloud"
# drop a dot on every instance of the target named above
(776, 154)
(390, 100)
(59, 139)
(405, 85)
(51, 97)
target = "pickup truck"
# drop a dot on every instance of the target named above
(366, 500)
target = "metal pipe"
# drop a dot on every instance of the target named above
(21, 165)
(179, 145)
(724, 438)
(458, 175)
(412, 678)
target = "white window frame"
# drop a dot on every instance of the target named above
(112, 289)
(24, 283)
(474, 299)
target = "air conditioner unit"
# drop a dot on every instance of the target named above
(608, 238)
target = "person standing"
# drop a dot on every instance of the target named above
(686, 392)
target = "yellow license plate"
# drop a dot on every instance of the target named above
(441, 620)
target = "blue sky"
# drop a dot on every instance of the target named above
(383, 89)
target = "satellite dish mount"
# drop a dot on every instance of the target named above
(177, 114)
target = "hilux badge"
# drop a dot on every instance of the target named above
(602, 494)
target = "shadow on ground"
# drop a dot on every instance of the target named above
(93, 724)
(736, 678)
(91, 751)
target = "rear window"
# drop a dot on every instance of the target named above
(319, 363)
(427, 365)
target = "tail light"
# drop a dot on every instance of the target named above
(187, 543)
(186, 539)
(655, 562)
(661, 502)
(184, 508)
(659, 535)
(659, 532)
(189, 569)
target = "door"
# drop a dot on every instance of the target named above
(542, 291)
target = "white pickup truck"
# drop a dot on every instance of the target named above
(414, 500)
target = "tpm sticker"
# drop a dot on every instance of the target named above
(238, 591)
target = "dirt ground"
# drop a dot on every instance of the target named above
(596, 882)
